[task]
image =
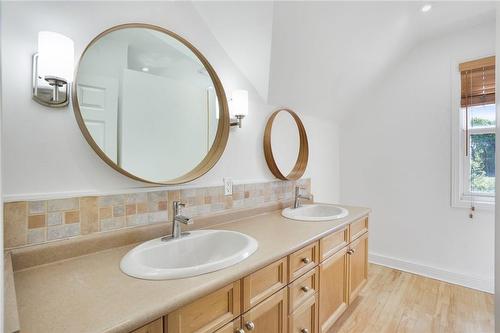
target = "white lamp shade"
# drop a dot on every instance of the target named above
(56, 55)
(239, 103)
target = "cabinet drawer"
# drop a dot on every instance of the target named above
(358, 228)
(153, 327)
(334, 242)
(263, 283)
(208, 313)
(305, 318)
(303, 260)
(302, 289)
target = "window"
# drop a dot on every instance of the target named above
(475, 172)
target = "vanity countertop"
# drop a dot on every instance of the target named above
(89, 293)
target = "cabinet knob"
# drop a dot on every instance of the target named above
(239, 330)
(249, 325)
(351, 251)
(305, 289)
(304, 330)
(306, 260)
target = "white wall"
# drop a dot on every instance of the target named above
(395, 158)
(45, 153)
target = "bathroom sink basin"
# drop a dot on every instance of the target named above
(315, 212)
(196, 253)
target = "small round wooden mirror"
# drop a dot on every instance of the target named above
(285, 145)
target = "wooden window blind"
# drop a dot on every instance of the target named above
(478, 82)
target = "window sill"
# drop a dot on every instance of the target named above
(480, 203)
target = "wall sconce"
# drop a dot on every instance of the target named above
(238, 107)
(52, 69)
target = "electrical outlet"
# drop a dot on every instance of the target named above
(228, 186)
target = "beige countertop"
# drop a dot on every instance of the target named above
(90, 294)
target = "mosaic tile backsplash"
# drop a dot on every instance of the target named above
(35, 222)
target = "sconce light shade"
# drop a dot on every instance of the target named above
(239, 103)
(52, 69)
(55, 55)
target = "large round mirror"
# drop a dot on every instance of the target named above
(150, 104)
(285, 145)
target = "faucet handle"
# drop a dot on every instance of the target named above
(298, 188)
(177, 204)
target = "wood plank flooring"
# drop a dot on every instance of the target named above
(395, 301)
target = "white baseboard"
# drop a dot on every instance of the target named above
(469, 281)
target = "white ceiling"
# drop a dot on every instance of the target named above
(325, 55)
(319, 56)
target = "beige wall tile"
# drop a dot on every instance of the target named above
(174, 196)
(55, 218)
(111, 200)
(162, 205)
(142, 207)
(15, 224)
(36, 221)
(62, 204)
(36, 236)
(72, 217)
(105, 213)
(118, 211)
(88, 215)
(131, 209)
(37, 207)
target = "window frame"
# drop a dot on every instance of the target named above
(460, 198)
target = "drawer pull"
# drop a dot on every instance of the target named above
(239, 330)
(249, 325)
(306, 260)
(304, 330)
(351, 251)
(305, 289)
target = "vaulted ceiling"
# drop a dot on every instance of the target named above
(318, 57)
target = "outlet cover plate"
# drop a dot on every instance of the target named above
(228, 186)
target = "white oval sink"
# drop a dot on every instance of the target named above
(200, 252)
(315, 212)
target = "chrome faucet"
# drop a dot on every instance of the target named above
(298, 196)
(177, 219)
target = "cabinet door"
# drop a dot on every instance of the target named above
(305, 318)
(358, 266)
(153, 327)
(208, 313)
(333, 286)
(270, 316)
(232, 327)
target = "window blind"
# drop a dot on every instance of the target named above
(477, 82)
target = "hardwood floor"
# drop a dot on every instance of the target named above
(395, 301)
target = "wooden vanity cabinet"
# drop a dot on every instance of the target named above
(153, 327)
(358, 266)
(304, 292)
(270, 316)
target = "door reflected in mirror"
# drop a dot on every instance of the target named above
(149, 103)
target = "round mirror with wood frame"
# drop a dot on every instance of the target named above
(150, 104)
(303, 150)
